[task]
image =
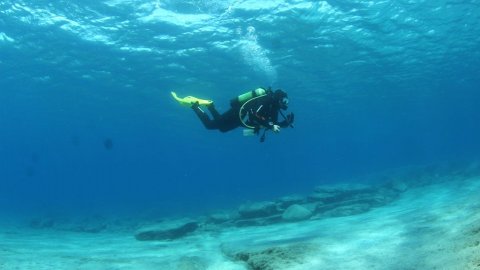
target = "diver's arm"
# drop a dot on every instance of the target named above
(288, 121)
(284, 124)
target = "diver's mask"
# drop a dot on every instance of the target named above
(282, 99)
(284, 103)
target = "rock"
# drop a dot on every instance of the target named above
(398, 186)
(340, 188)
(91, 227)
(311, 206)
(42, 223)
(322, 197)
(286, 201)
(167, 230)
(296, 212)
(258, 221)
(93, 224)
(90, 224)
(338, 192)
(324, 208)
(257, 210)
(273, 258)
(221, 217)
(384, 196)
(249, 222)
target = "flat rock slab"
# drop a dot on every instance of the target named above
(296, 213)
(167, 231)
(258, 210)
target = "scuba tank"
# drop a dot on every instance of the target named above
(238, 101)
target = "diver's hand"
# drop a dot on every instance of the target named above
(276, 128)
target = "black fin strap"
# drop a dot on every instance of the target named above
(285, 118)
(262, 139)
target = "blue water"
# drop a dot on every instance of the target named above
(87, 121)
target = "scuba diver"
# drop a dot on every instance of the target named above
(254, 110)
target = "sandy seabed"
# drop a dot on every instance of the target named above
(436, 226)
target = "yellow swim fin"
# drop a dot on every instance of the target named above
(189, 100)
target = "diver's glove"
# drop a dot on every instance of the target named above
(276, 128)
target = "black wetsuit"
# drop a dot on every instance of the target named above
(259, 112)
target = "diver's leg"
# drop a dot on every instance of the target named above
(207, 122)
(224, 122)
(228, 121)
(216, 115)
